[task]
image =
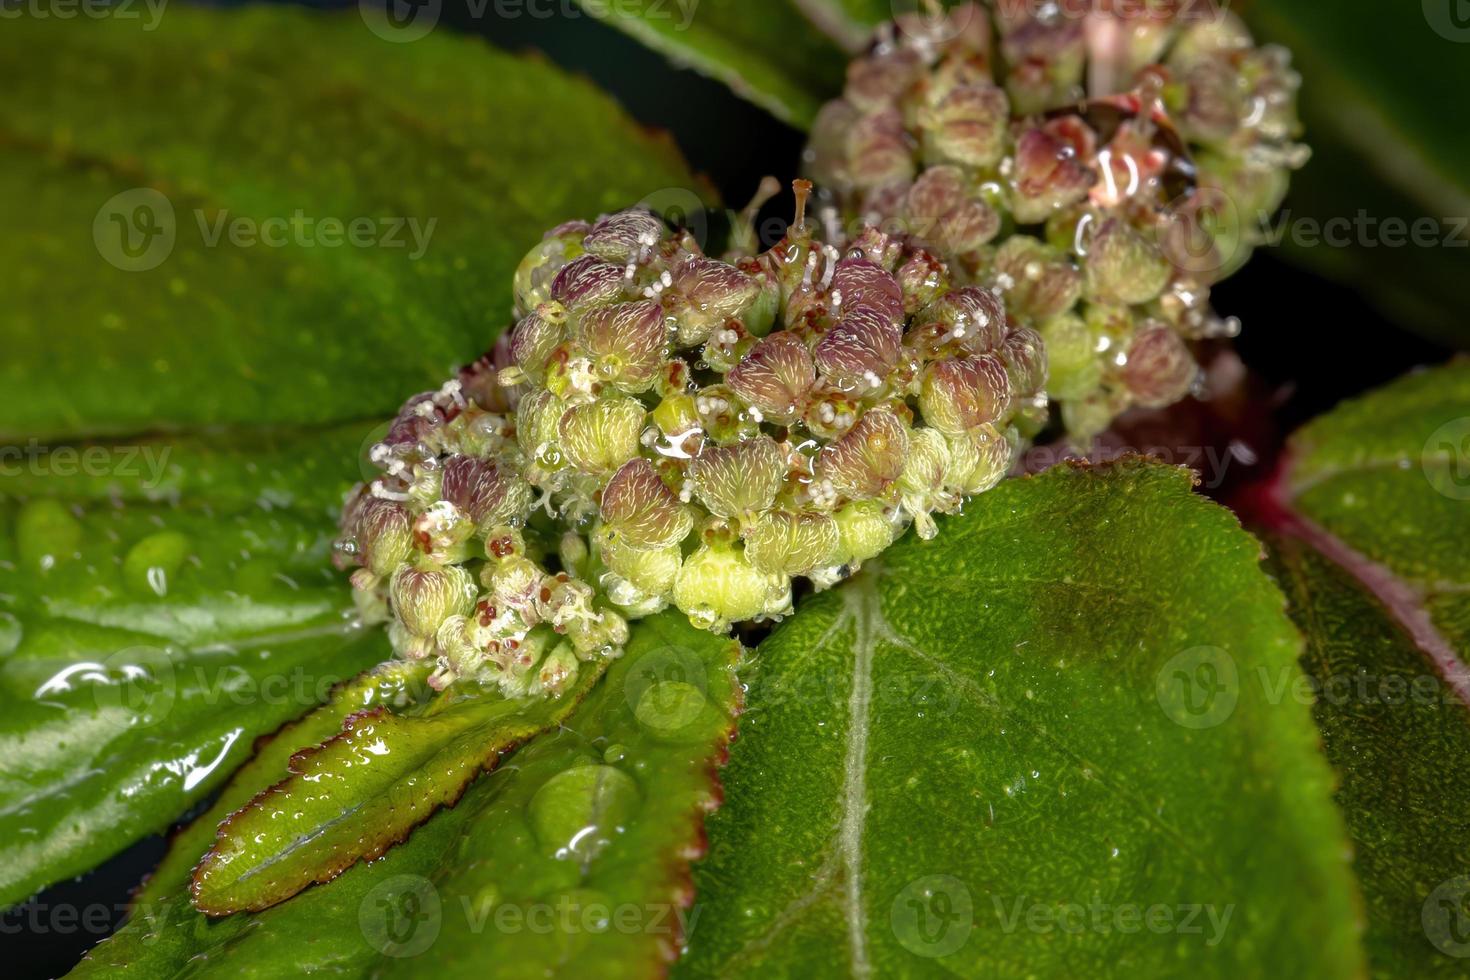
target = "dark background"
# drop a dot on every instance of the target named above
(1312, 342)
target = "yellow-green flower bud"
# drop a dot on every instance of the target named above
(864, 529)
(717, 586)
(537, 271)
(786, 543)
(602, 435)
(650, 571)
(1124, 267)
(424, 598)
(960, 394)
(979, 458)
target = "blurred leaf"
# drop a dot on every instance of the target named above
(1378, 98)
(279, 121)
(161, 605)
(995, 752)
(507, 880)
(769, 53)
(1369, 521)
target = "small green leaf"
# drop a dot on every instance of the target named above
(1022, 749)
(335, 218)
(1369, 519)
(769, 54)
(483, 882)
(364, 790)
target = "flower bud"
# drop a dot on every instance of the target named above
(860, 282)
(717, 586)
(489, 491)
(878, 80)
(626, 236)
(556, 672)
(601, 436)
(736, 482)
(926, 463)
(959, 394)
(423, 598)
(706, 294)
(537, 432)
(941, 210)
(971, 318)
(1159, 370)
(864, 530)
(879, 151)
(383, 534)
(1072, 364)
(860, 351)
(722, 416)
(539, 268)
(587, 282)
(786, 543)
(627, 343)
(774, 377)
(650, 571)
(641, 511)
(967, 126)
(979, 459)
(442, 533)
(515, 583)
(1038, 281)
(1046, 59)
(864, 462)
(1048, 175)
(1123, 266)
(536, 337)
(1025, 355)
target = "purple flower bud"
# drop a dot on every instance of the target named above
(640, 509)
(625, 236)
(588, 281)
(706, 294)
(941, 211)
(1045, 59)
(1025, 355)
(628, 343)
(958, 395)
(775, 377)
(734, 482)
(858, 282)
(535, 338)
(968, 126)
(1160, 370)
(971, 319)
(489, 491)
(864, 463)
(923, 278)
(861, 350)
(879, 151)
(1049, 174)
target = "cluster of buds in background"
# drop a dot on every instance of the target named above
(665, 427)
(1101, 168)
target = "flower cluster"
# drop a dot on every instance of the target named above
(664, 427)
(1101, 168)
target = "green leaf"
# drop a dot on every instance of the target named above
(1383, 148)
(1021, 750)
(363, 790)
(1369, 519)
(769, 54)
(481, 883)
(160, 606)
(251, 116)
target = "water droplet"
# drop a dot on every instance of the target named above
(577, 812)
